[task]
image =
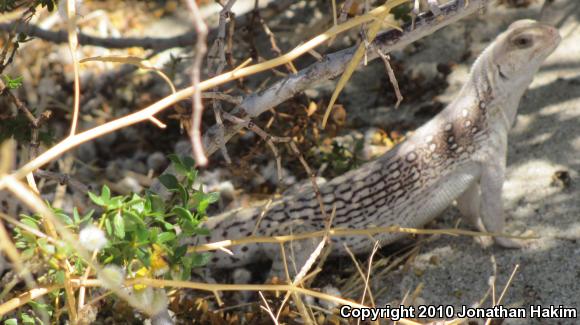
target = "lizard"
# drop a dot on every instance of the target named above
(459, 155)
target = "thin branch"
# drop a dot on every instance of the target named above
(58, 37)
(197, 106)
(218, 53)
(387, 61)
(73, 43)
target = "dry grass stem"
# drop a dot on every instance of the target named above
(73, 44)
(345, 232)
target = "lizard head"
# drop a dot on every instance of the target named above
(521, 49)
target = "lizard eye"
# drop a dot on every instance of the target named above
(522, 42)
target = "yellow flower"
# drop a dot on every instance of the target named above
(159, 265)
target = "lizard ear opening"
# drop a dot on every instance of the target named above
(522, 41)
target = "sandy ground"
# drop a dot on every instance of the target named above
(545, 141)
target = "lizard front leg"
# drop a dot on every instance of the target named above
(491, 207)
(433, 7)
(469, 204)
(432, 4)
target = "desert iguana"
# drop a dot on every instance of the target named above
(459, 155)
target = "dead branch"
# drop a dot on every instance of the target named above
(61, 36)
(153, 43)
(197, 107)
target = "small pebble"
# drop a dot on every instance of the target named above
(333, 291)
(156, 161)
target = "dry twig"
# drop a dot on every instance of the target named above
(197, 107)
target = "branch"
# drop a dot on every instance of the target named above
(61, 36)
(330, 67)
(154, 43)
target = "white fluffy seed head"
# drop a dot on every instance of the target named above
(92, 238)
(111, 277)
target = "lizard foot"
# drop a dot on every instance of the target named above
(434, 7)
(509, 242)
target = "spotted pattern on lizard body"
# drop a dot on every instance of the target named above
(458, 155)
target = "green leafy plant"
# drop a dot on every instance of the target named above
(144, 234)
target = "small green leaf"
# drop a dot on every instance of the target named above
(108, 227)
(188, 162)
(64, 218)
(165, 237)
(169, 181)
(189, 226)
(88, 216)
(157, 204)
(106, 193)
(168, 226)
(183, 194)
(66, 250)
(115, 202)
(177, 164)
(76, 216)
(213, 197)
(179, 252)
(27, 319)
(191, 177)
(137, 203)
(204, 200)
(119, 225)
(45, 246)
(109, 259)
(11, 321)
(96, 199)
(182, 213)
(27, 253)
(153, 233)
(201, 259)
(134, 217)
(30, 223)
(142, 234)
